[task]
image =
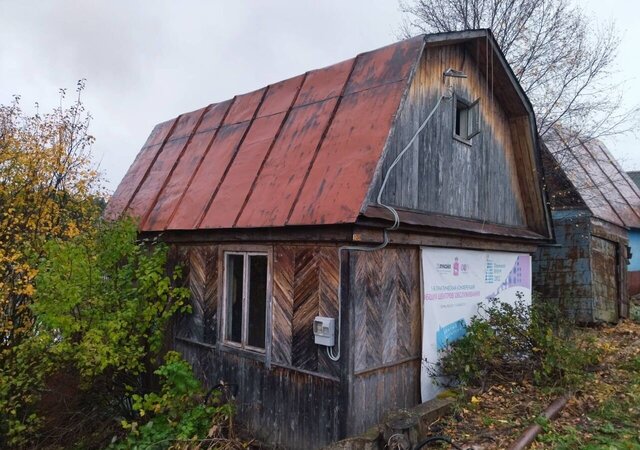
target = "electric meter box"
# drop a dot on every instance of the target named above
(324, 329)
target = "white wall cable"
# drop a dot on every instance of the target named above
(335, 354)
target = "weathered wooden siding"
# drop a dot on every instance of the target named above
(305, 284)
(586, 271)
(201, 264)
(385, 309)
(291, 409)
(562, 273)
(606, 279)
(609, 264)
(442, 175)
(294, 398)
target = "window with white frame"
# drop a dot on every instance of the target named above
(466, 119)
(245, 299)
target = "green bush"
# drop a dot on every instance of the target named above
(102, 303)
(177, 415)
(106, 299)
(513, 343)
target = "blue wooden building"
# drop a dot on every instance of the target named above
(634, 244)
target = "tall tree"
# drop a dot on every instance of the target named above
(49, 189)
(562, 59)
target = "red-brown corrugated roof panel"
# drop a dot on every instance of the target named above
(299, 152)
(207, 179)
(324, 83)
(385, 65)
(186, 168)
(280, 96)
(341, 175)
(159, 172)
(235, 187)
(284, 171)
(244, 107)
(134, 176)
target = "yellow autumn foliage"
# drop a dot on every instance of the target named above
(49, 189)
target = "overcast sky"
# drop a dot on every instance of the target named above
(147, 61)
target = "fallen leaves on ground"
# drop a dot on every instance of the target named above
(604, 413)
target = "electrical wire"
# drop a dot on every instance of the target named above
(335, 355)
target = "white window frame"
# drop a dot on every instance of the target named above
(244, 338)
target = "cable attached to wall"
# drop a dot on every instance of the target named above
(335, 351)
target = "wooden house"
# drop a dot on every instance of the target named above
(594, 205)
(272, 200)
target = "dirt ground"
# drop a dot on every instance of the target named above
(603, 413)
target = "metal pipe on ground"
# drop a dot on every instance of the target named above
(530, 434)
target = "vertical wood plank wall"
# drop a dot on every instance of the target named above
(386, 334)
(442, 175)
(297, 402)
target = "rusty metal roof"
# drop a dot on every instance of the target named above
(299, 152)
(604, 187)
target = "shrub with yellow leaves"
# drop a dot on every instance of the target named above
(49, 189)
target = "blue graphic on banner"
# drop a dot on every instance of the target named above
(450, 333)
(519, 276)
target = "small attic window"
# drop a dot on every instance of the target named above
(466, 119)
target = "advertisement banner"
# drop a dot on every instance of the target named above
(455, 282)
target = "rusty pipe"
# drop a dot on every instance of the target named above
(529, 435)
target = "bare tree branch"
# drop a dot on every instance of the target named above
(562, 59)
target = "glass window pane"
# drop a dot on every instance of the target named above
(257, 300)
(458, 120)
(235, 271)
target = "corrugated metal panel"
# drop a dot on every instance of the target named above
(244, 107)
(339, 178)
(284, 171)
(302, 151)
(134, 176)
(280, 96)
(604, 187)
(159, 172)
(324, 83)
(385, 65)
(207, 178)
(186, 168)
(233, 191)
(621, 181)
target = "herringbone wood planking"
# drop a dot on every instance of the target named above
(282, 308)
(306, 300)
(328, 286)
(366, 292)
(410, 333)
(305, 285)
(385, 293)
(201, 323)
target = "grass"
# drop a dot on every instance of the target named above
(603, 412)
